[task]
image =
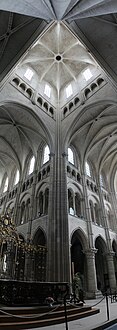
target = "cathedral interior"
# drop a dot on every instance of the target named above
(58, 141)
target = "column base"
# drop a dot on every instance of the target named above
(93, 295)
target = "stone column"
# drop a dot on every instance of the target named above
(91, 273)
(113, 201)
(111, 271)
(87, 211)
(104, 218)
(58, 259)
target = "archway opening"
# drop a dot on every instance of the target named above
(101, 265)
(78, 262)
(39, 262)
(114, 247)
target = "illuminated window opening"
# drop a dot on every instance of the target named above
(31, 165)
(88, 170)
(5, 185)
(87, 74)
(69, 91)
(47, 90)
(46, 154)
(70, 156)
(28, 74)
(16, 178)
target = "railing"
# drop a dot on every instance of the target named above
(27, 293)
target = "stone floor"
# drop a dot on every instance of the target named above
(92, 322)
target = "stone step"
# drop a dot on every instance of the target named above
(51, 313)
(36, 309)
(57, 317)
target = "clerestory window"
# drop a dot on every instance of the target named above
(87, 74)
(70, 156)
(16, 178)
(31, 165)
(69, 91)
(88, 169)
(47, 90)
(5, 185)
(46, 155)
(28, 74)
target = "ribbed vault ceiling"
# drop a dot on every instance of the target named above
(20, 133)
(95, 22)
(95, 135)
(62, 9)
(57, 58)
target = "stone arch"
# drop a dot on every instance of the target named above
(10, 207)
(24, 208)
(28, 209)
(40, 237)
(22, 215)
(40, 199)
(46, 197)
(101, 264)
(40, 242)
(78, 260)
(78, 210)
(71, 201)
(97, 213)
(91, 210)
(114, 248)
(73, 128)
(83, 238)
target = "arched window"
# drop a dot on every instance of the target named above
(46, 201)
(97, 217)
(31, 165)
(41, 203)
(78, 205)
(27, 211)
(22, 220)
(70, 156)
(16, 178)
(88, 169)
(46, 155)
(91, 210)
(70, 202)
(5, 185)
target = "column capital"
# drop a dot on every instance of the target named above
(109, 254)
(90, 252)
(64, 154)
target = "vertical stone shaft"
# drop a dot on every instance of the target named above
(87, 211)
(58, 238)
